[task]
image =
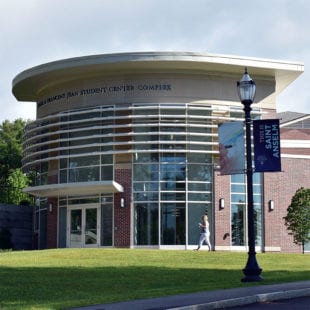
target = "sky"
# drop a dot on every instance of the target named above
(34, 32)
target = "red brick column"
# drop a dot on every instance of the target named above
(222, 216)
(52, 214)
(122, 215)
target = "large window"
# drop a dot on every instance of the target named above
(239, 209)
(172, 169)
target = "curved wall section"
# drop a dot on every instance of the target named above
(124, 149)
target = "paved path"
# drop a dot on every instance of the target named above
(213, 299)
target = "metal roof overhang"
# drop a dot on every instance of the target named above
(29, 83)
(75, 189)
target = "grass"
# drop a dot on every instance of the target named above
(64, 278)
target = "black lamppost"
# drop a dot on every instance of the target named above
(246, 90)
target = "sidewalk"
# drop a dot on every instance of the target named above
(213, 299)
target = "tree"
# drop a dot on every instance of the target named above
(16, 182)
(12, 180)
(297, 219)
(11, 134)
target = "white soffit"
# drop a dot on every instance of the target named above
(30, 82)
(75, 189)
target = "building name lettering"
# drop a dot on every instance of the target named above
(106, 89)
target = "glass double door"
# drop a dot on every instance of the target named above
(84, 228)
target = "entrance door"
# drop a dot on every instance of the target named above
(84, 227)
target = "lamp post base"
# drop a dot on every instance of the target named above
(252, 271)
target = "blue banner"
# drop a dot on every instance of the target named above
(267, 155)
(231, 147)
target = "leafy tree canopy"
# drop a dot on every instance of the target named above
(10, 146)
(16, 182)
(297, 219)
(12, 180)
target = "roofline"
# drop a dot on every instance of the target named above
(27, 85)
(295, 120)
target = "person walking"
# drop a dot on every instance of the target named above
(205, 233)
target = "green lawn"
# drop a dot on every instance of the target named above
(64, 278)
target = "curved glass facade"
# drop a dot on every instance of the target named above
(124, 151)
(171, 149)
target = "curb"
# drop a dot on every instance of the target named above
(242, 301)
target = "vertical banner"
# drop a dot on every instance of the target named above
(231, 146)
(267, 156)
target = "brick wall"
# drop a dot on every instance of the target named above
(222, 216)
(51, 229)
(281, 187)
(123, 216)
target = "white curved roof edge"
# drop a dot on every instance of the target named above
(284, 72)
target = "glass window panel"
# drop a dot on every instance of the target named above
(195, 211)
(199, 172)
(172, 196)
(84, 174)
(146, 147)
(199, 158)
(107, 131)
(146, 172)
(199, 129)
(107, 159)
(199, 187)
(83, 133)
(147, 111)
(106, 224)
(198, 112)
(199, 196)
(63, 176)
(91, 226)
(62, 231)
(173, 223)
(237, 225)
(177, 186)
(257, 199)
(87, 141)
(83, 161)
(257, 178)
(106, 173)
(83, 150)
(199, 147)
(237, 178)
(238, 198)
(238, 188)
(172, 137)
(258, 224)
(173, 111)
(146, 196)
(106, 148)
(106, 140)
(146, 137)
(145, 186)
(257, 189)
(76, 227)
(64, 144)
(146, 224)
(63, 163)
(77, 200)
(203, 138)
(146, 157)
(107, 113)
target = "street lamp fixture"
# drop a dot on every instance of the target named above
(246, 90)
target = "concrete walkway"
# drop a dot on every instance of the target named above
(213, 299)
